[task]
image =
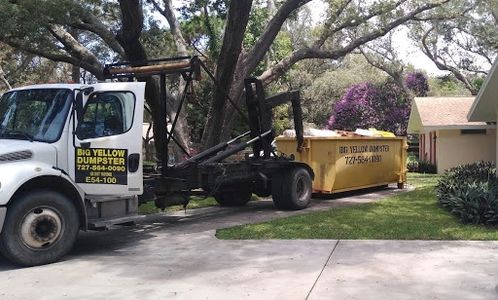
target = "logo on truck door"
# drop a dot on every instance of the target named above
(101, 166)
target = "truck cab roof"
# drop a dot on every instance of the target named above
(71, 86)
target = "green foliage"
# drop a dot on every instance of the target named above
(281, 120)
(197, 107)
(412, 165)
(36, 16)
(23, 69)
(478, 82)
(322, 83)
(446, 85)
(256, 25)
(470, 192)
(158, 41)
(421, 166)
(202, 23)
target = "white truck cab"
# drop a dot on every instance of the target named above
(52, 182)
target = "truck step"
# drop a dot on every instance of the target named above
(102, 224)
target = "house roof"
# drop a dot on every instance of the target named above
(433, 113)
(485, 105)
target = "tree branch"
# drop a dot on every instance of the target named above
(315, 52)
(354, 22)
(446, 17)
(3, 79)
(494, 10)
(22, 66)
(256, 54)
(330, 22)
(389, 65)
(442, 65)
(174, 26)
(96, 70)
(72, 46)
(91, 23)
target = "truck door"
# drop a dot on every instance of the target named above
(107, 154)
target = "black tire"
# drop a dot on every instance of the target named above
(40, 227)
(292, 190)
(233, 197)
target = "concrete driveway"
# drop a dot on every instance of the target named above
(177, 256)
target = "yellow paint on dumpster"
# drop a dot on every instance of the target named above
(348, 163)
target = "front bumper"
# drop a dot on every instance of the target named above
(3, 213)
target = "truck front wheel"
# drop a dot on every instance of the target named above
(292, 189)
(41, 227)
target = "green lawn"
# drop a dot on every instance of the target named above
(407, 216)
(195, 202)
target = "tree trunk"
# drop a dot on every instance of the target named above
(129, 38)
(75, 74)
(238, 16)
(237, 94)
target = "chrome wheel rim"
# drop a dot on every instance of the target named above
(301, 189)
(41, 227)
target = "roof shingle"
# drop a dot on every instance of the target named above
(445, 111)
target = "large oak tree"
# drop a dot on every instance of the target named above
(113, 30)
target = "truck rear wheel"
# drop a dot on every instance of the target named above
(292, 190)
(233, 197)
(40, 228)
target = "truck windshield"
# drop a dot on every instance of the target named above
(36, 115)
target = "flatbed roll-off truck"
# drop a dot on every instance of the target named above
(71, 158)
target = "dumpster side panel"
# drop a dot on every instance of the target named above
(342, 164)
(362, 163)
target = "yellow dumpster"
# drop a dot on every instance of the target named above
(348, 163)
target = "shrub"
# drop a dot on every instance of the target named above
(470, 192)
(421, 166)
(412, 166)
(425, 166)
(417, 82)
(383, 106)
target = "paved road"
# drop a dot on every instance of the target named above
(177, 257)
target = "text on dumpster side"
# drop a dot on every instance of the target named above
(363, 154)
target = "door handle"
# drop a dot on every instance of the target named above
(133, 162)
(85, 144)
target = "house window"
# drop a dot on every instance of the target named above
(473, 131)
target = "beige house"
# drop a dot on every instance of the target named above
(485, 106)
(446, 138)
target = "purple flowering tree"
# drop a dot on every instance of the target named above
(383, 106)
(417, 82)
